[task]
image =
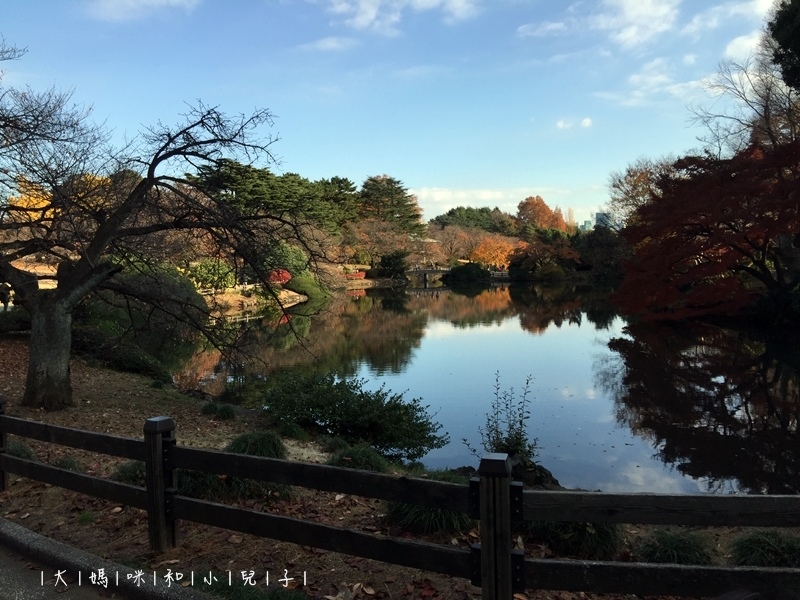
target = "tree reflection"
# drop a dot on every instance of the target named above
(720, 404)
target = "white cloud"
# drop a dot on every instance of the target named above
(586, 122)
(436, 201)
(331, 44)
(654, 83)
(743, 46)
(128, 10)
(541, 29)
(635, 22)
(564, 124)
(690, 59)
(384, 16)
(712, 18)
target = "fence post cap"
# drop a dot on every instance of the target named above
(495, 463)
(159, 424)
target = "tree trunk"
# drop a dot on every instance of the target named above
(48, 385)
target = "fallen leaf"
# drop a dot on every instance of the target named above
(519, 596)
(235, 539)
(339, 497)
(369, 590)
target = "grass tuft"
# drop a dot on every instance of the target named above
(676, 547)
(766, 548)
(19, 449)
(597, 541)
(258, 443)
(417, 518)
(362, 456)
(70, 463)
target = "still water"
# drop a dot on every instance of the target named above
(613, 407)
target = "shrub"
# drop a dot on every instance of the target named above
(506, 428)
(334, 444)
(19, 449)
(394, 265)
(209, 273)
(210, 409)
(226, 412)
(766, 548)
(133, 472)
(596, 541)
(293, 431)
(425, 519)
(258, 443)
(362, 456)
(468, 273)
(398, 429)
(70, 463)
(677, 547)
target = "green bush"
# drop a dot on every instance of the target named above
(213, 274)
(676, 547)
(398, 429)
(123, 356)
(133, 472)
(597, 541)
(362, 456)
(210, 409)
(226, 412)
(468, 273)
(19, 449)
(394, 265)
(766, 548)
(70, 463)
(425, 519)
(333, 444)
(258, 443)
(506, 428)
(293, 431)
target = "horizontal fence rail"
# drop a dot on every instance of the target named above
(435, 494)
(419, 555)
(662, 509)
(492, 497)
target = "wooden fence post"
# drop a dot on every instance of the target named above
(495, 502)
(3, 445)
(159, 437)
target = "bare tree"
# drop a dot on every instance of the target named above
(753, 105)
(634, 187)
(71, 198)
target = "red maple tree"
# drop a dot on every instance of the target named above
(721, 232)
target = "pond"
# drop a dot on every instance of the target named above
(613, 407)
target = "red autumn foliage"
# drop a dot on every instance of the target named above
(721, 232)
(279, 276)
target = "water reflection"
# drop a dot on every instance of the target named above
(719, 404)
(646, 408)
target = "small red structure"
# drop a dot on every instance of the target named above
(280, 276)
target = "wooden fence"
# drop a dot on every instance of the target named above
(491, 497)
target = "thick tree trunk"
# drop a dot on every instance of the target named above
(48, 385)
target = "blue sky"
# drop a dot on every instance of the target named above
(467, 102)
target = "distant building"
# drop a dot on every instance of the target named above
(602, 219)
(587, 226)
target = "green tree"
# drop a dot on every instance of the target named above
(489, 220)
(92, 223)
(386, 199)
(784, 28)
(340, 194)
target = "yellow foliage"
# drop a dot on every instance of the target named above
(35, 203)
